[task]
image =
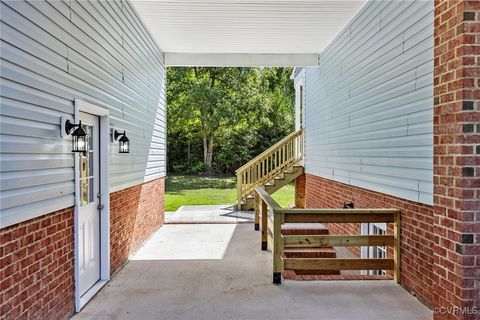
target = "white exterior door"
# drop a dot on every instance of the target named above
(88, 211)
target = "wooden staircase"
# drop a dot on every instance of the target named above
(274, 168)
(289, 175)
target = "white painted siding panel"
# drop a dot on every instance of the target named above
(53, 52)
(369, 106)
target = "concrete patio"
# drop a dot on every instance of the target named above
(217, 271)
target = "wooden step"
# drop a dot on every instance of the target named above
(304, 229)
(325, 252)
(289, 175)
(338, 264)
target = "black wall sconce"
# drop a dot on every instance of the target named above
(123, 142)
(79, 136)
(348, 205)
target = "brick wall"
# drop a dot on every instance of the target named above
(36, 268)
(134, 217)
(457, 156)
(417, 238)
(36, 264)
(322, 193)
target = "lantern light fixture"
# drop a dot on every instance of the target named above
(79, 136)
(123, 141)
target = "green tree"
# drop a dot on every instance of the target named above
(231, 113)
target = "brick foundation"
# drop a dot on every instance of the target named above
(36, 264)
(36, 268)
(133, 219)
(417, 239)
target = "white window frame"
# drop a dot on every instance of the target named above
(299, 84)
(367, 252)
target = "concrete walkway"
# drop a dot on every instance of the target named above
(209, 214)
(218, 271)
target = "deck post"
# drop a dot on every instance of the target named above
(277, 247)
(264, 212)
(239, 192)
(396, 247)
(257, 211)
(300, 183)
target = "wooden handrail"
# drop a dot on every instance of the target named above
(263, 201)
(305, 241)
(269, 164)
(336, 211)
(265, 196)
(271, 149)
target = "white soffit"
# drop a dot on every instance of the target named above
(245, 32)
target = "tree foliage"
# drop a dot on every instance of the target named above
(219, 118)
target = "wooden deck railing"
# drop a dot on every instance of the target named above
(269, 164)
(272, 225)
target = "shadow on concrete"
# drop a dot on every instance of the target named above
(238, 286)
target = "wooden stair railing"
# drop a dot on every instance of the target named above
(268, 165)
(273, 225)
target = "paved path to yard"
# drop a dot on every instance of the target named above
(209, 214)
(218, 271)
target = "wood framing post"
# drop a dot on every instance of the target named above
(396, 247)
(257, 211)
(264, 213)
(300, 182)
(277, 247)
(239, 192)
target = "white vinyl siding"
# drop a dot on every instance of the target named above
(53, 52)
(369, 105)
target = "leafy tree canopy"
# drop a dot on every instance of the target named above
(220, 118)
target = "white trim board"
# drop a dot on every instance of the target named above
(241, 59)
(104, 132)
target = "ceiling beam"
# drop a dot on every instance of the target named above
(240, 60)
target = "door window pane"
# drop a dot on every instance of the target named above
(90, 164)
(86, 191)
(83, 166)
(89, 134)
(87, 168)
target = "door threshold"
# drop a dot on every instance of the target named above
(87, 296)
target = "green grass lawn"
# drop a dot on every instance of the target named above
(198, 190)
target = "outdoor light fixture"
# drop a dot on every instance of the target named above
(123, 142)
(79, 137)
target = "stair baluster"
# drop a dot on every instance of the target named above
(270, 164)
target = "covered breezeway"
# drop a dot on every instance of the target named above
(217, 271)
(212, 268)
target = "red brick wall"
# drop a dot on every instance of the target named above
(321, 193)
(36, 268)
(135, 213)
(417, 238)
(36, 264)
(457, 156)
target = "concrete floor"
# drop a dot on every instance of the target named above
(219, 272)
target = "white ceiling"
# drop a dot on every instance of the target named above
(249, 32)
